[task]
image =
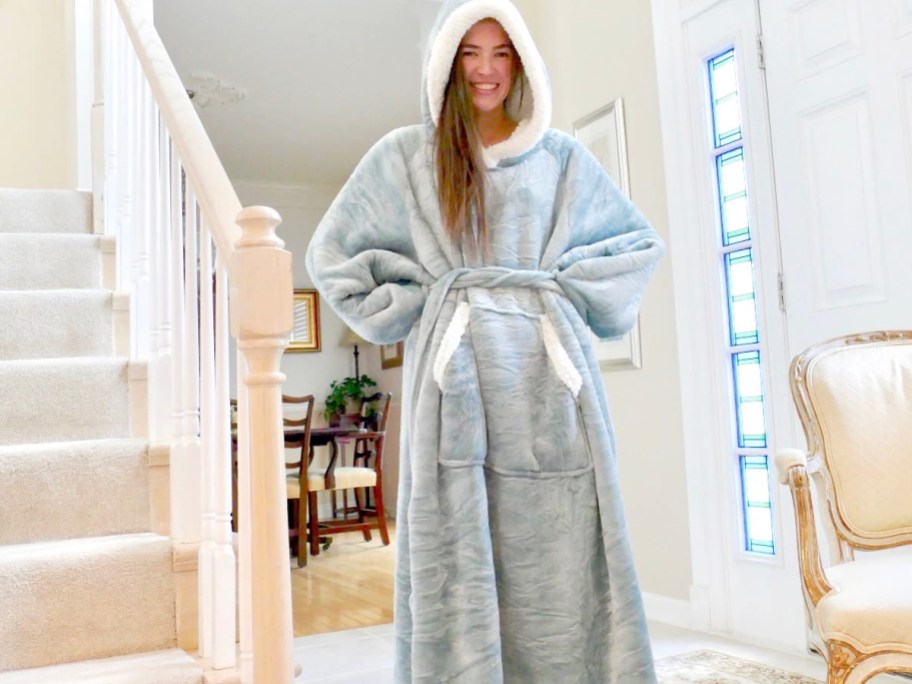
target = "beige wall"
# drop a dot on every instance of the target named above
(37, 94)
(597, 51)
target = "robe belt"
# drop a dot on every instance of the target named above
(459, 279)
(491, 277)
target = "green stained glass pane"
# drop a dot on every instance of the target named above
(749, 399)
(742, 304)
(732, 180)
(758, 515)
(726, 102)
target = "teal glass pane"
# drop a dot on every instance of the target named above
(758, 515)
(732, 181)
(726, 102)
(749, 400)
(742, 299)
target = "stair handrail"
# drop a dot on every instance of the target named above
(249, 256)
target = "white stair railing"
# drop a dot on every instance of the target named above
(195, 265)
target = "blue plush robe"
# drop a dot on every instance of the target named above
(513, 561)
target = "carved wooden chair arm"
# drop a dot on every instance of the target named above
(792, 467)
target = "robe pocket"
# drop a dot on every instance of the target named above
(531, 388)
(560, 443)
(463, 433)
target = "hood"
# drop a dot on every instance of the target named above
(455, 19)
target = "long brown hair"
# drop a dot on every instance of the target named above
(460, 166)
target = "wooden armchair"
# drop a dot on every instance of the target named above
(364, 476)
(854, 398)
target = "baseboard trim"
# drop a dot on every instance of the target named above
(668, 611)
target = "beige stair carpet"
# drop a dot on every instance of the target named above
(45, 211)
(85, 598)
(56, 400)
(33, 261)
(81, 576)
(66, 490)
(44, 324)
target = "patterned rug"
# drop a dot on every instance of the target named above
(710, 667)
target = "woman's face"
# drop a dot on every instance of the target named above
(488, 63)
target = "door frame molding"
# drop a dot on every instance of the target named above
(709, 589)
(719, 566)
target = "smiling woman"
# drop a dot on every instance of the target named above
(492, 244)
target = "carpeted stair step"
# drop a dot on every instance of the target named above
(45, 211)
(161, 667)
(57, 400)
(78, 599)
(50, 261)
(45, 324)
(66, 490)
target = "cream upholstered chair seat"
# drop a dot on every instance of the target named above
(854, 398)
(871, 602)
(346, 478)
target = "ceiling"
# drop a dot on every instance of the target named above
(296, 91)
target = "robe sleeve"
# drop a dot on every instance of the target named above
(362, 257)
(611, 250)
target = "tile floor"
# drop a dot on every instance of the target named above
(365, 656)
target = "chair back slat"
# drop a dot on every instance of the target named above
(305, 403)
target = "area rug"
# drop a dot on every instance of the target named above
(711, 667)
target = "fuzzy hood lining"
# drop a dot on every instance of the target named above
(535, 115)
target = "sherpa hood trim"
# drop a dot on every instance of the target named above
(455, 19)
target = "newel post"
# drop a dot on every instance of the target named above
(261, 322)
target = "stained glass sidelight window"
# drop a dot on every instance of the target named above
(743, 351)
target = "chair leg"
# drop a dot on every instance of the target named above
(302, 518)
(381, 516)
(364, 530)
(314, 524)
(842, 660)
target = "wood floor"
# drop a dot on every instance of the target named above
(348, 586)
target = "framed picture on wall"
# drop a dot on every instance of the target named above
(391, 355)
(603, 133)
(305, 336)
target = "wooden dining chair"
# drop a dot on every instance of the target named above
(296, 471)
(363, 477)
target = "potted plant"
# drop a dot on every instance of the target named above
(344, 399)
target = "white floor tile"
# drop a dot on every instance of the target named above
(359, 655)
(384, 676)
(365, 656)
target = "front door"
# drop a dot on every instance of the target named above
(839, 76)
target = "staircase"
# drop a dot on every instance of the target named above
(87, 586)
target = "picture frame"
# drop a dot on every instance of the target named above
(391, 355)
(305, 336)
(604, 133)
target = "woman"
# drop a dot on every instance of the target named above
(490, 243)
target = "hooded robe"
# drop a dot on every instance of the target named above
(513, 563)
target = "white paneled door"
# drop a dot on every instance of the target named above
(839, 76)
(825, 93)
